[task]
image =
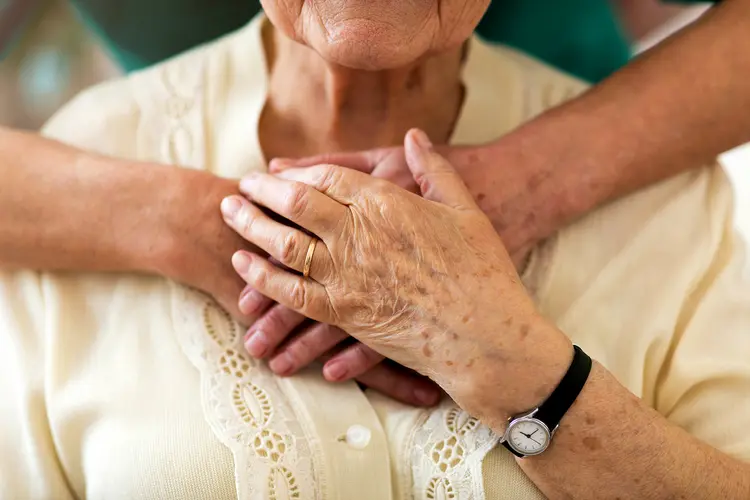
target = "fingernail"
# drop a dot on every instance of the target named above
(425, 397)
(281, 365)
(250, 302)
(241, 262)
(334, 371)
(421, 139)
(230, 206)
(256, 344)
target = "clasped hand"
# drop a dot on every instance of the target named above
(416, 279)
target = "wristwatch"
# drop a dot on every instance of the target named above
(530, 433)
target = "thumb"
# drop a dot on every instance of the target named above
(436, 178)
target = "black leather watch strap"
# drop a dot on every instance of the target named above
(553, 409)
(559, 402)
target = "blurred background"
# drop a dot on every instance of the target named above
(47, 54)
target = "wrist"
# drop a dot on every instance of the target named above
(511, 378)
(563, 169)
(160, 194)
(186, 213)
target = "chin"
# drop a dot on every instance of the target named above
(370, 46)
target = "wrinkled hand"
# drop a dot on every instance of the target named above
(405, 275)
(519, 231)
(499, 178)
(196, 247)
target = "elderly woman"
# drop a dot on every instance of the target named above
(134, 386)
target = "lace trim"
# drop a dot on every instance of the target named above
(245, 406)
(243, 402)
(448, 448)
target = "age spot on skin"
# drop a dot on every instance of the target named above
(427, 351)
(590, 420)
(465, 319)
(591, 443)
(470, 363)
(454, 336)
(481, 196)
(449, 363)
(425, 334)
(508, 321)
(524, 331)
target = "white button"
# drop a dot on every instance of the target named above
(358, 437)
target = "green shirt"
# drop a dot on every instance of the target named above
(582, 37)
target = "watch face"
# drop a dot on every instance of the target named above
(528, 436)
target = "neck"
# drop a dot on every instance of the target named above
(314, 107)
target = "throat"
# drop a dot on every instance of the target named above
(314, 107)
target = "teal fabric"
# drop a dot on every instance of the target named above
(581, 37)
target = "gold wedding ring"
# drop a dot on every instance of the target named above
(309, 257)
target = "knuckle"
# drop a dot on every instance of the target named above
(329, 176)
(298, 296)
(304, 349)
(259, 278)
(364, 358)
(296, 202)
(295, 356)
(289, 251)
(274, 322)
(245, 221)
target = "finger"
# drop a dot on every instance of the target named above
(252, 302)
(436, 177)
(351, 362)
(339, 183)
(295, 201)
(402, 385)
(287, 245)
(227, 298)
(306, 347)
(363, 161)
(303, 295)
(271, 329)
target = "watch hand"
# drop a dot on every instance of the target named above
(537, 442)
(529, 436)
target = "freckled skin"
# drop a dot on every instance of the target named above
(524, 332)
(404, 281)
(592, 443)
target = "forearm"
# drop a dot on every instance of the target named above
(609, 444)
(674, 108)
(63, 209)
